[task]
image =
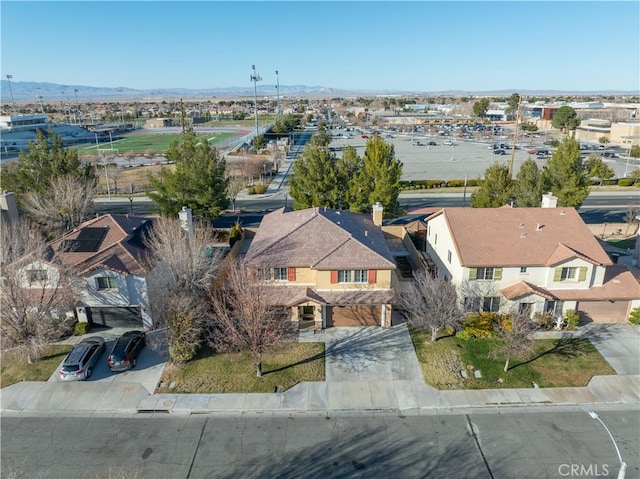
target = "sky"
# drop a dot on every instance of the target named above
(422, 46)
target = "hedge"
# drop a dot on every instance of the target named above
(626, 181)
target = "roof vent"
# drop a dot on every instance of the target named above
(539, 227)
(521, 225)
(523, 235)
(366, 233)
(562, 213)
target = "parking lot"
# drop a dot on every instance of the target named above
(147, 372)
(469, 157)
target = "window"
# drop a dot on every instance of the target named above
(353, 276)
(568, 274)
(107, 282)
(435, 241)
(449, 256)
(37, 275)
(484, 273)
(482, 303)
(280, 274)
(523, 270)
(554, 307)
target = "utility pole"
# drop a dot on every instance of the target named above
(515, 138)
(278, 93)
(255, 78)
(77, 115)
(13, 102)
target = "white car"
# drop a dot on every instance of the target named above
(448, 143)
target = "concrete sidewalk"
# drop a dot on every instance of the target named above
(345, 393)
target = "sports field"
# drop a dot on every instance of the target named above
(141, 143)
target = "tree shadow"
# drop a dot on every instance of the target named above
(565, 347)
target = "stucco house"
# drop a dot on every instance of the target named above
(338, 268)
(533, 259)
(108, 253)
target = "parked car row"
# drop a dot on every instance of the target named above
(79, 363)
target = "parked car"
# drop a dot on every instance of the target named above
(125, 351)
(432, 143)
(447, 142)
(533, 151)
(609, 154)
(79, 363)
(499, 152)
(365, 136)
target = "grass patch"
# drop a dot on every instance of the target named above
(15, 369)
(285, 365)
(143, 142)
(623, 243)
(554, 363)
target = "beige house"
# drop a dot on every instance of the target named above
(338, 268)
(533, 259)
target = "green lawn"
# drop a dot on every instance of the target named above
(284, 366)
(15, 369)
(554, 363)
(141, 143)
(623, 243)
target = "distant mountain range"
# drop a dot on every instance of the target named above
(31, 91)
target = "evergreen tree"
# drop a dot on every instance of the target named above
(378, 181)
(197, 181)
(597, 168)
(529, 185)
(348, 167)
(43, 162)
(316, 180)
(495, 188)
(566, 176)
(565, 119)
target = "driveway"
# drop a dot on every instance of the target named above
(618, 343)
(147, 372)
(369, 353)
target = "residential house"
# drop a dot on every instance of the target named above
(108, 253)
(338, 268)
(532, 259)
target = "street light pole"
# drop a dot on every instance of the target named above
(278, 93)
(623, 465)
(255, 78)
(77, 115)
(13, 102)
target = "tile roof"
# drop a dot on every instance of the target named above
(520, 236)
(301, 294)
(619, 284)
(121, 249)
(321, 239)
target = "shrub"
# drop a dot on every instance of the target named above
(251, 190)
(464, 335)
(81, 328)
(481, 325)
(235, 234)
(544, 320)
(610, 182)
(260, 189)
(455, 183)
(571, 318)
(472, 182)
(634, 316)
(626, 181)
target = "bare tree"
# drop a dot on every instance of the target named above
(188, 264)
(233, 188)
(114, 174)
(430, 303)
(246, 314)
(64, 204)
(516, 334)
(190, 260)
(36, 291)
(630, 217)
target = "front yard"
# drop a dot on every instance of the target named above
(15, 369)
(554, 363)
(283, 366)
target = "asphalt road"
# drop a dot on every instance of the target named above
(523, 443)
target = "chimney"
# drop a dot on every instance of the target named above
(186, 220)
(377, 214)
(549, 201)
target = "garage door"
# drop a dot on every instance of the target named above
(603, 311)
(364, 315)
(115, 317)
